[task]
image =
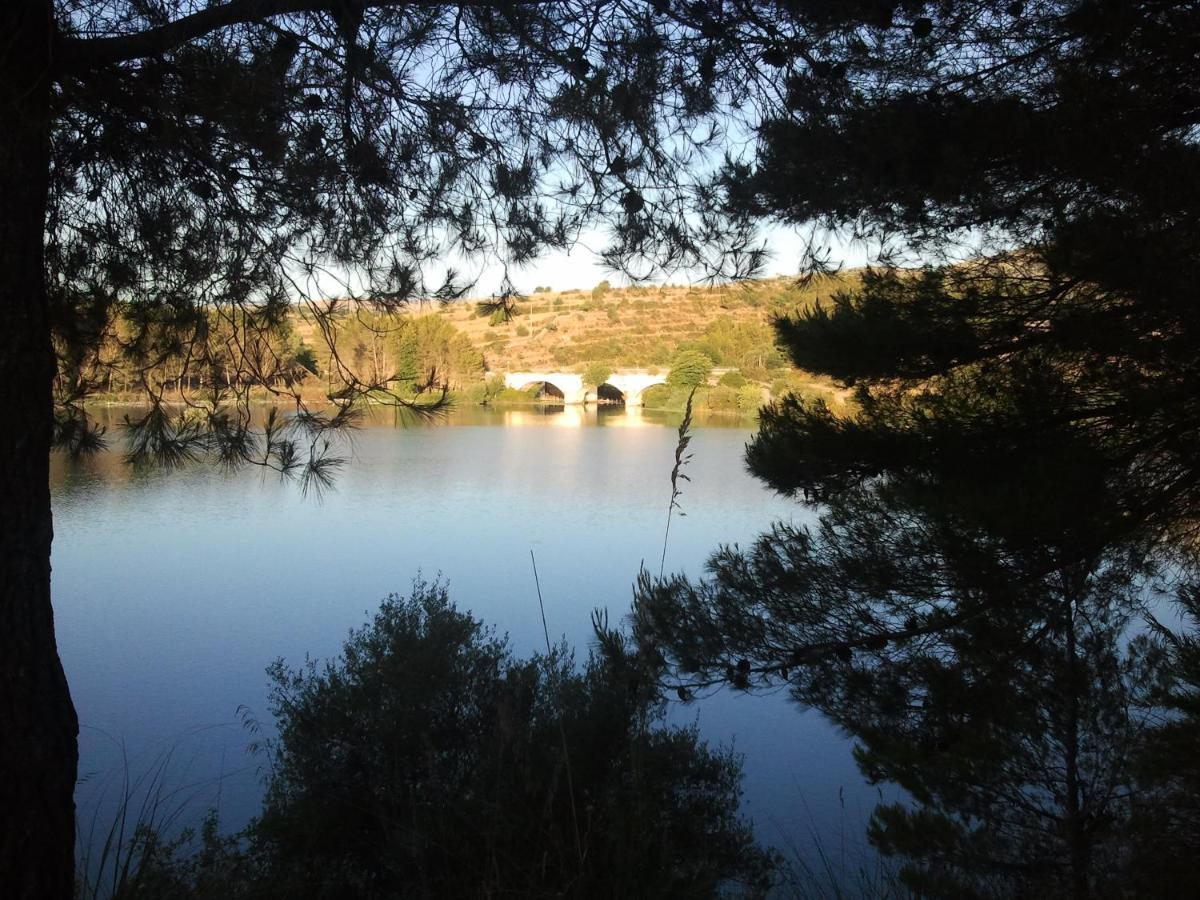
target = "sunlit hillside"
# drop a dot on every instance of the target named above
(631, 327)
(640, 327)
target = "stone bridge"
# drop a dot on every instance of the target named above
(625, 386)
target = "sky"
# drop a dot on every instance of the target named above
(581, 267)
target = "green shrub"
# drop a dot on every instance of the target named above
(722, 399)
(512, 395)
(428, 761)
(657, 396)
(733, 379)
(475, 394)
(689, 368)
(596, 373)
(750, 398)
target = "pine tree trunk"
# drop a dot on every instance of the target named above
(1080, 849)
(38, 728)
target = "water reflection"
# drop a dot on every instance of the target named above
(174, 589)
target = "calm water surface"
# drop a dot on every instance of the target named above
(173, 590)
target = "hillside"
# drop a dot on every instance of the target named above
(634, 327)
(461, 345)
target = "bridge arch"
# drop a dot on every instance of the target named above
(609, 393)
(567, 386)
(548, 390)
(633, 385)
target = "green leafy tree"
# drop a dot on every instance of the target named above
(427, 761)
(409, 365)
(596, 373)
(431, 352)
(689, 369)
(750, 398)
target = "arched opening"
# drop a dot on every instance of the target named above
(607, 394)
(544, 392)
(652, 396)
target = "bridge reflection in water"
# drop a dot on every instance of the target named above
(578, 415)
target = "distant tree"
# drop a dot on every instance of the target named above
(722, 399)
(427, 761)
(689, 369)
(733, 380)
(750, 398)
(596, 373)
(409, 364)
(306, 359)
(431, 352)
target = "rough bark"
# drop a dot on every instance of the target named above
(38, 727)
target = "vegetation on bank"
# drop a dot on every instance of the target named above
(719, 340)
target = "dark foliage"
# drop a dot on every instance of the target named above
(1021, 468)
(427, 761)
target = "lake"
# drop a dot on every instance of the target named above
(174, 590)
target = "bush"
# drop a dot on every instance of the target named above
(750, 398)
(596, 373)
(475, 394)
(522, 331)
(723, 399)
(428, 761)
(512, 395)
(656, 396)
(689, 369)
(733, 380)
